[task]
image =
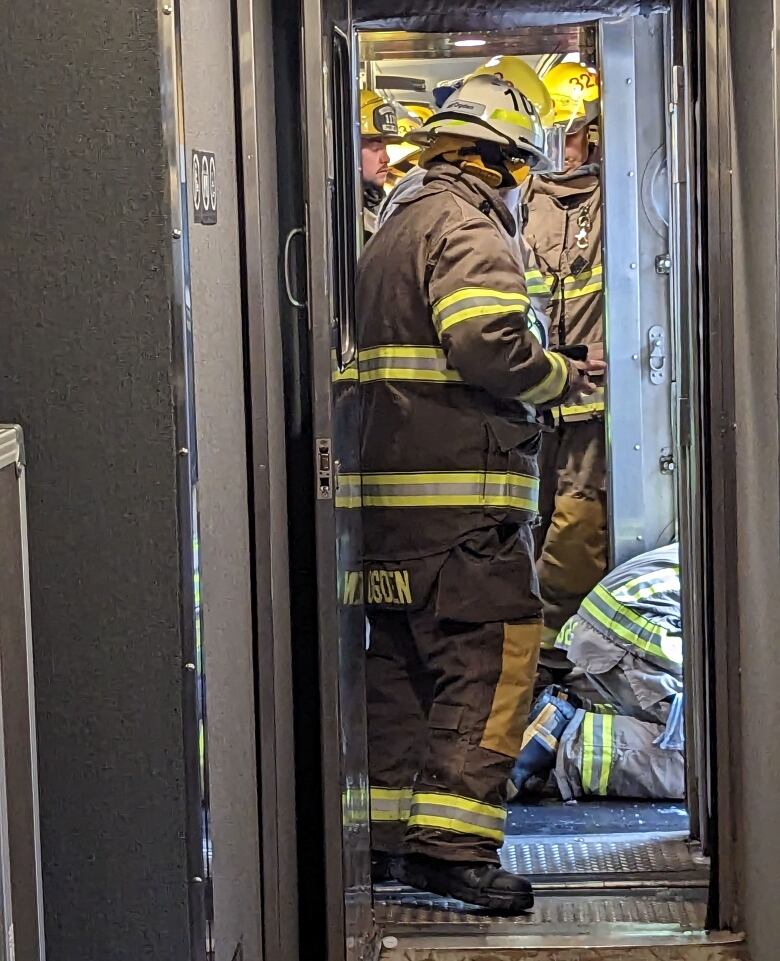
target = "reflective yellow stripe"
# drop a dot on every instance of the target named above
(469, 303)
(597, 753)
(408, 363)
(440, 489)
(587, 751)
(451, 812)
(349, 373)
(337, 375)
(552, 385)
(456, 825)
(608, 722)
(634, 628)
(390, 804)
(348, 490)
(513, 117)
(537, 284)
(593, 405)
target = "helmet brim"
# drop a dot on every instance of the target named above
(440, 125)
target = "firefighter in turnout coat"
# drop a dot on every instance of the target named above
(449, 378)
(564, 232)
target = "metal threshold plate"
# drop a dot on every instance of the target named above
(650, 881)
(663, 914)
(606, 857)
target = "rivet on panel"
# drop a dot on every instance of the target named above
(632, 266)
(189, 666)
(167, 9)
(183, 451)
(637, 447)
(630, 173)
(629, 81)
(635, 357)
(176, 233)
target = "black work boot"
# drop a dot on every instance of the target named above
(475, 882)
(380, 867)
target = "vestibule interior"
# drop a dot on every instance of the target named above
(618, 821)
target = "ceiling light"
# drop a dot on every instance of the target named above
(471, 42)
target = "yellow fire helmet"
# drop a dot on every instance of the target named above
(378, 117)
(515, 71)
(574, 89)
(410, 117)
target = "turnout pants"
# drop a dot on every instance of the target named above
(449, 681)
(571, 540)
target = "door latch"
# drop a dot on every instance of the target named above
(657, 358)
(324, 467)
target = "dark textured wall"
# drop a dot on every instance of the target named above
(85, 367)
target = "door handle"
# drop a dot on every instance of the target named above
(301, 304)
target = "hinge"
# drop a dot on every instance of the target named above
(324, 468)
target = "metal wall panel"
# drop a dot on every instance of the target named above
(217, 335)
(86, 369)
(636, 214)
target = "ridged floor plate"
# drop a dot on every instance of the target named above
(563, 913)
(603, 856)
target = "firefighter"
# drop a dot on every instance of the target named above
(564, 233)
(615, 726)
(449, 376)
(524, 79)
(378, 129)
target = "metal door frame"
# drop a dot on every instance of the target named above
(21, 884)
(319, 234)
(267, 480)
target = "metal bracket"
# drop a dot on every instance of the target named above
(324, 466)
(663, 264)
(657, 359)
(667, 463)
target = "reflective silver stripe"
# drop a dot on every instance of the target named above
(471, 303)
(596, 753)
(348, 488)
(633, 628)
(450, 812)
(427, 364)
(390, 804)
(451, 489)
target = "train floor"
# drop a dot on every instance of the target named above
(593, 864)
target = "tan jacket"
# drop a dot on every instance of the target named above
(570, 270)
(449, 374)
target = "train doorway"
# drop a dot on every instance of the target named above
(598, 855)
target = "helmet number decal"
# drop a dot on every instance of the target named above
(518, 98)
(583, 82)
